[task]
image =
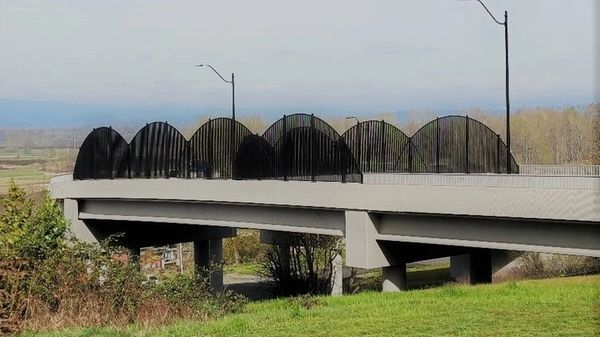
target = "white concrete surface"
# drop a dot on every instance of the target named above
(515, 196)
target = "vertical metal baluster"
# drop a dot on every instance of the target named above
(437, 144)
(467, 144)
(410, 148)
(110, 154)
(368, 143)
(209, 140)
(231, 148)
(94, 155)
(498, 154)
(283, 154)
(312, 147)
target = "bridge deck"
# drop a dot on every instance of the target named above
(507, 196)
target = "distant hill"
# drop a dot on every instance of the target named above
(41, 114)
(20, 114)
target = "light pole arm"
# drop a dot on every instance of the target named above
(216, 72)
(355, 118)
(490, 13)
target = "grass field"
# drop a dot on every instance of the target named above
(555, 307)
(29, 178)
(242, 269)
(32, 169)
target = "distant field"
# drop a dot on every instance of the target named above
(33, 168)
(31, 179)
(554, 307)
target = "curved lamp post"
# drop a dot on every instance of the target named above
(505, 24)
(232, 82)
(233, 125)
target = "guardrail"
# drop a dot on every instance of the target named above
(560, 170)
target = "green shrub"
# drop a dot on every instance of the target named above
(49, 280)
(243, 248)
(538, 265)
(302, 263)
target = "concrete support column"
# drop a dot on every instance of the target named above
(460, 268)
(134, 255)
(208, 254)
(481, 267)
(337, 277)
(201, 255)
(216, 260)
(394, 278)
(134, 252)
(473, 268)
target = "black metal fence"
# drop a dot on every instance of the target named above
(296, 147)
(101, 155)
(158, 150)
(213, 149)
(307, 148)
(455, 144)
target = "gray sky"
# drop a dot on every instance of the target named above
(318, 56)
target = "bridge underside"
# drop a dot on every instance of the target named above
(155, 221)
(479, 245)
(385, 224)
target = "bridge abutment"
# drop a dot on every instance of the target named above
(77, 227)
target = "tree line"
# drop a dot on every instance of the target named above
(540, 135)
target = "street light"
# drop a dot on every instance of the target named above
(356, 119)
(232, 82)
(505, 24)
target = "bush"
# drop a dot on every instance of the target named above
(302, 264)
(243, 248)
(50, 280)
(537, 265)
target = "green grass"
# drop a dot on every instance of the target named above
(25, 177)
(555, 307)
(21, 173)
(242, 268)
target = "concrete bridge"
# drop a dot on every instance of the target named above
(444, 191)
(387, 221)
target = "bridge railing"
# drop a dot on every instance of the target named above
(561, 170)
(296, 147)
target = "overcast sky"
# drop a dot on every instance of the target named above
(317, 56)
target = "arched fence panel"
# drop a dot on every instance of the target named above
(379, 147)
(255, 159)
(296, 147)
(307, 148)
(101, 155)
(459, 144)
(214, 147)
(158, 150)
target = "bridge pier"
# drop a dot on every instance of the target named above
(473, 268)
(208, 257)
(337, 277)
(480, 265)
(394, 278)
(134, 252)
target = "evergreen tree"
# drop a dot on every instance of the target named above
(13, 220)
